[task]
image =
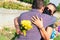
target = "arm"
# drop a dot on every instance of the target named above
(39, 23)
(16, 23)
(17, 26)
(47, 33)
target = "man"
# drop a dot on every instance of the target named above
(34, 34)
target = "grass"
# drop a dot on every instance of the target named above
(2, 37)
(57, 38)
(7, 33)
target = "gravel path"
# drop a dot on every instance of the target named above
(7, 16)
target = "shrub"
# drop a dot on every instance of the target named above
(14, 5)
(1, 4)
(27, 1)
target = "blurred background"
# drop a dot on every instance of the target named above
(10, 9)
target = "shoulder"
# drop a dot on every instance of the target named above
(23, 14)
(52, 18)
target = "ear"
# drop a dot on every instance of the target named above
(42, 8)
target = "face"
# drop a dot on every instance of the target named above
(51, 8)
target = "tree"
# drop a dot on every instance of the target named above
(31, 1)
(46, 2)
(27, 1)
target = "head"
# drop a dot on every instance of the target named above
(50, 9)
(38, 4)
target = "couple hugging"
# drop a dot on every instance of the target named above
(42, 20)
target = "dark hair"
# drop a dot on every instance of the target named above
(37, 4)
(53, 5)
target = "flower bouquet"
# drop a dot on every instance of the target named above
(25, 26)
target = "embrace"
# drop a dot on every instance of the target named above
(42, 20)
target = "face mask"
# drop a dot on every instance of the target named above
(46, 11)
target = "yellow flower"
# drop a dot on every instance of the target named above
(27, 25)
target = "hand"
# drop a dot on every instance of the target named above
(38, 22)
(18, 31)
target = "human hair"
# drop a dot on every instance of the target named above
(53, 5)
(37, 4)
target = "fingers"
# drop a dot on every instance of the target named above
(37, 17)
(34, 17)
(33, 21)
(19, 32)
(41, 19)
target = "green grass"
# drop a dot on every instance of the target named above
(57, 38)
(2, 37)
(8, 34)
